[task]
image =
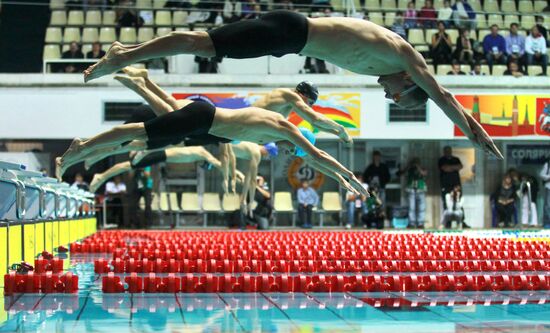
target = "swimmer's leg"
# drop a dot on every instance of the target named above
(100, 178)
(152, 86)
(100, 154)
(177, 42)
(137, 85)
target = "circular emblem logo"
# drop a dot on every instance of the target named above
(299, 171)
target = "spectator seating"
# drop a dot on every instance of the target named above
(99, 25)
(231, 202)
(190, 202)
(282, 203)
(331, 202)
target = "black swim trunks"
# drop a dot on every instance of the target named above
(141, 114)
(192, 120)
(276, 33)
(150, 159)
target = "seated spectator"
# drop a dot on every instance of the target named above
(515, 45)
(375, 216)
(307, 199)
(494, 47)
(442, 45)
(454, 211)
(232, 11)
(464, 16)
(126, 16)
(115, 191)
(513, 70)
(315, 66)
(288, 5)
(178, 4)
(79, 182)
(416, 189)
(464, 52)
(445, 14)
(535, 49)
(539, 20)
(73, 53)
(263, 211)
(355, 202)
(323, 6)
(476, 71)
(96, 51)
(410, 16)
(250, 10)
(94, 5)
(455, 69)
(398, 25)
(505, 198)
(427, 17)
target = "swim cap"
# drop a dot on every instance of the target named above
(309, 136)
(271, 148)
(309, 90)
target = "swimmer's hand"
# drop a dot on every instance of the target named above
(358, 188)
(481, 139)
(344, 136)
(240, 176)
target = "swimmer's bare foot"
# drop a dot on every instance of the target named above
(138, 157)
(96, 182)
(113, 61)
(133, 83)
(73, 150)
(136, 72)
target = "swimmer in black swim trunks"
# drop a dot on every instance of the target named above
(201, 118)
(171, 155)
(353, 44)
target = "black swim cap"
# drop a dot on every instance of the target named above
(309, 90)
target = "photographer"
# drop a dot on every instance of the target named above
(545, 175)
(416, 189)
(527, 193)
(374, 218)
(263, 210)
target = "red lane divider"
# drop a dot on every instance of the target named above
(40, 283)
(228, 283)
(54, 265)
(103, 266)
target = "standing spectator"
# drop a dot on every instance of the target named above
(427, 17)
(445, 14)
(410, 16)
(375, 216)
(355, 202)
(455, 207)
(263, 210)
(114, 192)
(464, 52)
(73, 53)
(464, 15)
(505, 198)
(455, 69)
(545, 175)
(79, 182)
(515, 45)
(449, 177)
(416, 189)
(307, 199)
(535, 48)
(513, 70)
(494, 48)
(441, 46)
(377, 174)
(476, 71)
(539, 23)
(528, 192)
(398, 26)
(96, 52)
(144, 189)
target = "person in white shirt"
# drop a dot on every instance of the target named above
(354, 202)
(445, 14)
(535, 49)
(114, 192)
(455, 204)
(527, 194)
(545, 175)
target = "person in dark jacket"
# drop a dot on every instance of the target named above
(377, 174)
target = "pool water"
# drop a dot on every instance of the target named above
(92, 311)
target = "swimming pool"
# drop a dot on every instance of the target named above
(91, 310)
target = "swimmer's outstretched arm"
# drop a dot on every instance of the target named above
(291, 133)
(100, 178)
(330, 173)
(417, 68)
(316, 119)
